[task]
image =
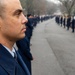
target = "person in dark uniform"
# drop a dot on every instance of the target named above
(73, 24)
(64, 21)
(12, 29)
(24, 50)
(57, 19)
(68, 22)
(61, 20)
(29, 25)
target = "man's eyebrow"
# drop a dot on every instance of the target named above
(18, 11)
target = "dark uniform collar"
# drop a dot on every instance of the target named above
(7, 62)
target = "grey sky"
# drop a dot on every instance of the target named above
(55, 1)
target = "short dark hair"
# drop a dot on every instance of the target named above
(28, 15)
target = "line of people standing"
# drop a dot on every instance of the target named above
(66, 21)
(24, 44)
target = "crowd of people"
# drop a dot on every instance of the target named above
(66, 21)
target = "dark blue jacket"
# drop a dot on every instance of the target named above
(73, 23)
(68, 21)
(24, 50)
(8, 65)
(24, 47)
(29, 28)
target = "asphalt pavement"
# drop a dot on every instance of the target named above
(53, 49)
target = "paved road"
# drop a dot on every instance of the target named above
(53, 48)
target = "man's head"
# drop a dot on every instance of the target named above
(29, 15)
(12, 20)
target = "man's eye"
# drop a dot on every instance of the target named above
(18, 13)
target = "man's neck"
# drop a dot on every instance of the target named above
(6, 42)
(8, 45)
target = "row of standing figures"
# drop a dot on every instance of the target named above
(68, 22)
(24, 44)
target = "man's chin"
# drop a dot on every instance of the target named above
(21, 37)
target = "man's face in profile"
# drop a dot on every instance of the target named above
(13, 24)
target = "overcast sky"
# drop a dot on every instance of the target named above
(55, 1)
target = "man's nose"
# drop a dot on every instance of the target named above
(25, 20)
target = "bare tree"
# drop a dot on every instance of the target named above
(38, 7)
(51, 7)
(44, 7)
(68, 5)
(29, 6)
(23, 2)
